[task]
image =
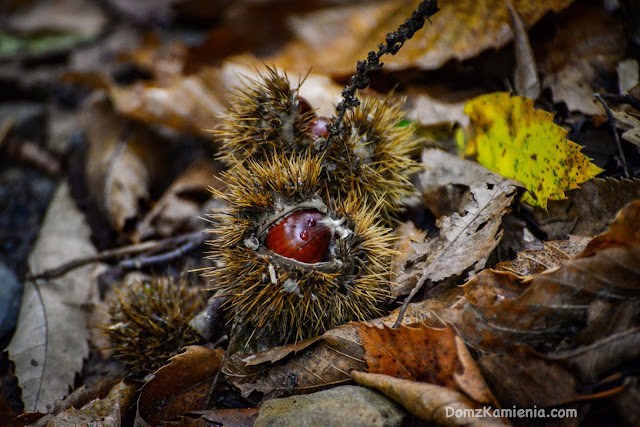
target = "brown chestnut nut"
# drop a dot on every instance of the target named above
(318, 127)
(301, 235)
(304, 107)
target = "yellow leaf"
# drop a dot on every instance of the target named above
(510, 137)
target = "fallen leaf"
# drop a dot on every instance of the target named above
(326, 361)
(298, 368)
(581, 315)
(605, 318)
(525, 379)
(509, 136)
(588, 44)
(187, 104)
(412, 352)
(77, 399)
(624, 232)
(426, 401)
(630, 124)
(195, 103)
(430, 111)
(594, 361)
(525, 77)
(553, 254)
(470, 221)
(626, 403)
(72, 16)
(557, 306)
(110, 411)
(628, 75)
(421, 353)
(406, 235)
(180, 205)
(332, 39)
(181, 386)
(553, 305)
(50, 341)
(588, 210)
(122, 161)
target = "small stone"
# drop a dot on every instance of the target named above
(351, 406)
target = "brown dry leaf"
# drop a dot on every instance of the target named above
(406, 235)
(552, 254)
(78, 398)
(624, 232)
(525, 77)
(107, 412)
(179, 387)
(469, 202)
(582, 316)
(194, 103)
(501, 316)
(299, 368)
(627, 404)
(588, 43)
(165, 61)
(430, 111)
(594, 361)
(413, 352)
(630, 124)
(180, 205)
(426, 401)
(526, 379)
(628, 71)
(50, 341)
(332, 39)
(187, 104)
(327, 360)
(64, 16)
(421, 353)
(553, 305)
(588, 210)
(549, 308)
(122, 161)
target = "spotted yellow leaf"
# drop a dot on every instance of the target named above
(510, 137)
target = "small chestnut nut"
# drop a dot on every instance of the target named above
(303, 106)
(302, 235)
(318, 128)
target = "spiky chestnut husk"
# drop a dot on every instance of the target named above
(265, 117)
(273, 299)
(371, 160)
(149, 322)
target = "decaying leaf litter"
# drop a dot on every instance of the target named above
(519, 265)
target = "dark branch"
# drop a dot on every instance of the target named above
(186, 240)
(393, 42)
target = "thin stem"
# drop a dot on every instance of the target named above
(612, 122)
(119, 252)
(393, 42)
